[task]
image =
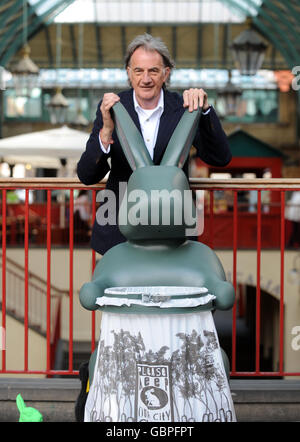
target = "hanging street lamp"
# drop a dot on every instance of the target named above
(248, 50)
(25, 72)
(58, 106)
(80, 119)
(229, 98)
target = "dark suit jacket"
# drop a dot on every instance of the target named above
(210, 141)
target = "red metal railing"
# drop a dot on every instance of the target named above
(278, 187)
(46, 228)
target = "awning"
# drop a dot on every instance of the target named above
(45, 148)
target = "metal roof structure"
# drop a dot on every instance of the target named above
(278, 22)
(13, 22)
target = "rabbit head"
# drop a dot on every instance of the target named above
(158, 203)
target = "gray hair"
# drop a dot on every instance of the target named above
(149, 43)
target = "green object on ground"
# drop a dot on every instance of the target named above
(27, 414)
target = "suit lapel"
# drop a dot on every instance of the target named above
(168, 122)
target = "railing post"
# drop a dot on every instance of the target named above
(4, 275)
(211, 218)
(26, 270)
(93, 328)
(56, 331)
(234, 279)
(48, 327)
(258, 273)
(71, 243)
(281, 305)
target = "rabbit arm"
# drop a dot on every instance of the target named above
(213, 276)
(93, 165)
(89, 293)
(225, 296)
(222, 289)
(211, 141)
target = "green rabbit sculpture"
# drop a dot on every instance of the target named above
(27, 414)
(157, 252)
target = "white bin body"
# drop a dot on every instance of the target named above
(159, 367)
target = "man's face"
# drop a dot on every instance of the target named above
(147, 74)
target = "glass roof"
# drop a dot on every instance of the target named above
(41, 7)
(277, 21)
(155, 11)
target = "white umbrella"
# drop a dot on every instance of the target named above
(45, 148)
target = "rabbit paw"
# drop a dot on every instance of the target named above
(224, 292)
(88, 295)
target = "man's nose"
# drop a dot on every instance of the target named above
(146, 77)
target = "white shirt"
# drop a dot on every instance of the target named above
(149, 121)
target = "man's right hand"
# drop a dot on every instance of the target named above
(109, 99)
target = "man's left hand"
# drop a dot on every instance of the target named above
(195, 98)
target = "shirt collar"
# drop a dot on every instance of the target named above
(160, 104)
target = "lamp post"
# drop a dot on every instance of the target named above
(80, 119)
(248, 51)
(58, 104)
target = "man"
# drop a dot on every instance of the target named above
(156, 113)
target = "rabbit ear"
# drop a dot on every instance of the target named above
(130, 138)
(181, 141)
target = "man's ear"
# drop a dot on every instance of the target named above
(128, 70)
(167, 73)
